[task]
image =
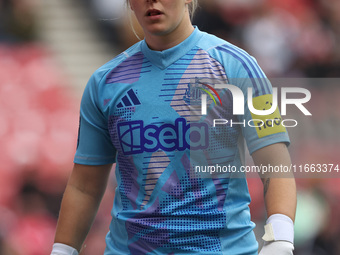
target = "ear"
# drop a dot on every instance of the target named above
(188, 1)
(129, 4)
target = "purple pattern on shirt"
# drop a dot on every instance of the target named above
(128, 71)
(196, 190)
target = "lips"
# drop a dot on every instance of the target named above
(153, 12)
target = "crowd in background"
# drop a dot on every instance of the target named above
(17, 21)
(38, 116)
(288, 37)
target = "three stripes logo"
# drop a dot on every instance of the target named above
(130, 99)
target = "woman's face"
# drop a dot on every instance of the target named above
(161, 17)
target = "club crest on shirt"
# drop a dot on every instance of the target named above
(202, 86)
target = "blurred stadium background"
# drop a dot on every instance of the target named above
(49, 49)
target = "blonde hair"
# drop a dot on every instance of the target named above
(192, 8)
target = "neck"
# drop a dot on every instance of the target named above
(171, 39)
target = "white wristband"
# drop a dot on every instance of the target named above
(279, 227)
(63, 249)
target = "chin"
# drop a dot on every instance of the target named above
(158, 30)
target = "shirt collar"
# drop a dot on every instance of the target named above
(164, 59)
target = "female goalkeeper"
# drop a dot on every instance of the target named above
(143, 111)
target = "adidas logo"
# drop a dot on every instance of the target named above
(130, 99)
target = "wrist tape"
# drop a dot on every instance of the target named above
(279, 227)
(63, 249)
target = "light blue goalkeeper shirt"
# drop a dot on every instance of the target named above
(142, 110)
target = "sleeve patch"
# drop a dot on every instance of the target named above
(266, 124)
